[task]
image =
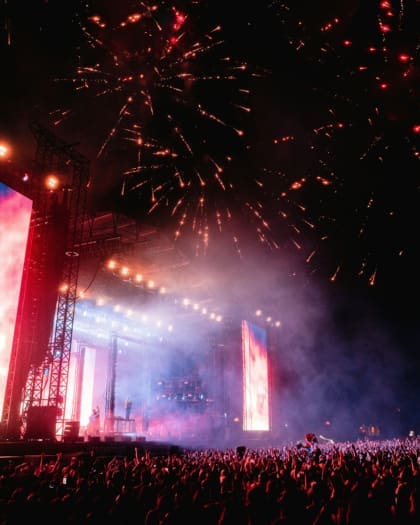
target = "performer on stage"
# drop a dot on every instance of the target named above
(94, 422)
(128, 406)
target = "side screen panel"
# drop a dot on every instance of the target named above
(15, 215)
(255, 378)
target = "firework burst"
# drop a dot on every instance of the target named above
(158, 79)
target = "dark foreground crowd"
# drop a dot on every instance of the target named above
(334, 483)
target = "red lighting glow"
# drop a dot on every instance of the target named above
(15, 214)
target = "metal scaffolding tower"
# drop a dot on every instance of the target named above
(53, 153)
(38, 370)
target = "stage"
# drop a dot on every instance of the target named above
(108, 447)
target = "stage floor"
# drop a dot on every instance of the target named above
(99, 447)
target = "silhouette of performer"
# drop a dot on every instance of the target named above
(128, 407)
(95, 422)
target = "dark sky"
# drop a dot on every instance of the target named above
(329, 157)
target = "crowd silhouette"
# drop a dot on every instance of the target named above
(313, 483)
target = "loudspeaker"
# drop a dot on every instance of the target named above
(71, 430)
(41, 422)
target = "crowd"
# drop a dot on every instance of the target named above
(301, 484)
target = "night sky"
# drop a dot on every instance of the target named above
(312, 210)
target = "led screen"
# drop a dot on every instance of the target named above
(255, 378)
(15, 214)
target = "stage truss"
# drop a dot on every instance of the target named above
(38, 372)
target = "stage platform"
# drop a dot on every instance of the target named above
(99, 447)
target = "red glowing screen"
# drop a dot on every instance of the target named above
(255, 378)
(15, 215)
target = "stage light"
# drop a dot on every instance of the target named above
(51, 182)
(125, 270)
(4, 150)
(111, 264)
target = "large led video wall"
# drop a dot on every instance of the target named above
(15, 215)
(256, 409)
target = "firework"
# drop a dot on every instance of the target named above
(157, 81)
(362, 66)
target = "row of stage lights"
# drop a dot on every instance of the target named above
(124, 272)
(126, 322)
(184, 303)
(132, 326)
